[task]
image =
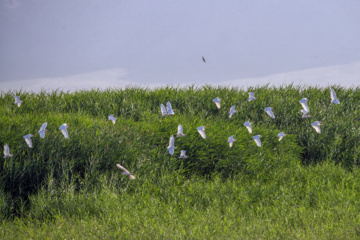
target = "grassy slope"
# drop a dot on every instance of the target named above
(74, 184)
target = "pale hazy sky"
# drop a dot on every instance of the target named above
(163, 41)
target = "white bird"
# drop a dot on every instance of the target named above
(125, 172)
(281, 135)
(316, 125)
(232, 111)
(18, 101)
(7, 151)
(333, 97)
(217, 101)
(163, 110)
(112, 118)
(169, 109)
(182, 154)
(247, 124)
(201, 130)
(180, 131)
(230, 140)
(303, 102)
(251, 96)
(257, 140)
(171, 145)
(43, 130)
(268, 110)
(64, 131)
(28, 139)
(305, 113)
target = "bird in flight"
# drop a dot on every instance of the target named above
(64, 131)
(333, 97)
(182, 154)
(125, 172)
(217, 101)
(269, 111)
(201, 130)
(171, 145)
(28, 140)
(112, 118)
(203, 59)
(7, 151)
(281, 135)
(257, 140)
(230, 140)
(43, 130)
(251, 96)
(316, 126)
(18, 101)
(180, 131)
(303, 102)
(232, 111)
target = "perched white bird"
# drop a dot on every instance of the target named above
(268, 110)
(303, 102)
(7, 151)
(28, 140)
(171, 145)
(64, 131)
(182, 154)
(232, 111)
(251, 96)
(230, 140)
(316, 125)
(281, 135)
(43, 130)
(180, 131)
(333, 97)
(305, 113)
(217, 101)
(201, 130)
(257, 140)
(112, 118)
(125, 172)
(18, 101)
(247, 124)
(169, 109)
(163, 110)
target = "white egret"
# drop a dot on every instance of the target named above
(163, 110)
(316, 126)
(305, 113)
(201, 130)
(281, 135)
(18, 101)
(64, 131)
(43, 130)
(180, 131)
(171, 145)
(182, 154)
(257, 140)
(169, 109)
(251, 96)
(230, 140)
(112, 118)
(247, 124)
(333, 97)
(269, 111)
(28, 139)
(125, 172)
(7, 151)
(303, 102)
(217, 102)
(232, 111)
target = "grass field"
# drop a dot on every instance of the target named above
(303, 187)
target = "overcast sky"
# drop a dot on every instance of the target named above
(163, 41)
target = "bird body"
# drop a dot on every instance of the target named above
(28, 139)
(201, 130)
(281, 135)
(43, 130)
(230, 140)
(18, 101)
(125, 172)
(217, 102)
(269, 112)
(203, 59)
(112, 118)
(316, 126)
(257, 140)
(305, 113)
(333, 97)
(182, 154)
(64, 131)
(7, 151)
(247, 124)
(171, 146)
(232, 111)
(303, 102)
(251, 96)
(180, 131)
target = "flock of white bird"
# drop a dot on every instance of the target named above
(166, 111)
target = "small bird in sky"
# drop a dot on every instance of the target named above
(28, 139)
(171, 145)
(180, 131)
(125, 172)
(333, 97)
(316, 126)
(169, 109)
(305, 113)
(7, 151)
(203, 59)
(64, 131)
(251, 96)
(43, 130)
(201, 130)
(232, 111)
(257, 140)
(18, 101)
(269, 111)
(303, 102)
(112, 118)
(182, 154)
(247, 124)
(281, 135)
(217, 102)
(230, 140)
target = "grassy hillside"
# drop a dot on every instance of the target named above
(280, 189)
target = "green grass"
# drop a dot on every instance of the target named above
(304, 187)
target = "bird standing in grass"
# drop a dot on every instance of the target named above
(230, 140)
(257, 140)
(64, 131)
(112, 118)
(43, 130)
(18, 101)
(180, 131)
(269, 112)
(171, 146)
(333, 97)
(281, 135)
(217, 102)
(201, 130)
(28, 140)
(7, 151)
(316, 126)
(182, 154)
(251, 96)
(247, 124)
(125, 172)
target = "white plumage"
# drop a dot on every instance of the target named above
(169, 109)
(230, 140)
(232, 111)
(163, 110)
(257, 140)
(305, 113)
(7, 151)
(171, 146)
(64, 131)
(333, 97)
(247, 124)
(217, 101)
(180, 131)
(316, 126)
(112, 118)
(269, 112)
(281, 135)
(43, 130)
(182, 154)
(251, 96)
(28, 139)
(18, 101)
(201, 130)
(303, 102)
(125, 172)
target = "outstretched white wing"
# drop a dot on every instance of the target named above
(257, 140)
(169, 108)
(269, 111)
(180, 131)
(201, 130)
(332, 94)
(64, 131)
(171, 142)
(6, 150)
(125, 172)
(303, 103)
(28, 140)
(163, 110)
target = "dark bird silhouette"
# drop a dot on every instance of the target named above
(203, 59)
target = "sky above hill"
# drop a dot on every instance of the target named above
(162, 41)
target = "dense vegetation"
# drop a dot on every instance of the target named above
(300, 186)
